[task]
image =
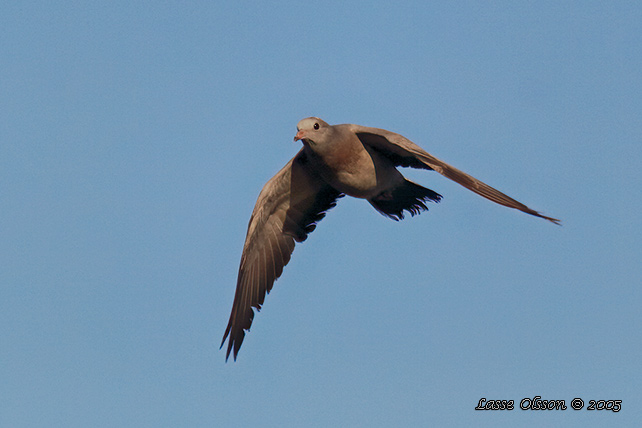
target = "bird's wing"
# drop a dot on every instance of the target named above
(404, 152)
(287, 210)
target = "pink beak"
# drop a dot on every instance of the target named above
(299, 136)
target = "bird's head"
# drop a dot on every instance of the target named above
(311, 131)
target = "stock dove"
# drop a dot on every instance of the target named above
(335, 160)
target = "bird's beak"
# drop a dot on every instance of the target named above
(299, 136)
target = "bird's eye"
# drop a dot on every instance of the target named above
(316, 126)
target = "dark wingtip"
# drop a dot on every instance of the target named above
(234, 342)
(227, 331)
(227, 354)
(229, 343)
(229, 349)
(551, 219)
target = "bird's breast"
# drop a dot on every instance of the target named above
(358, 172)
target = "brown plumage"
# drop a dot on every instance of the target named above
(335, 160)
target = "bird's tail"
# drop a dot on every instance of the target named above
(407, 196)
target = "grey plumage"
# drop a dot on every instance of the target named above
(335, 161)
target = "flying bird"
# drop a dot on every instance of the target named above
(335, 160)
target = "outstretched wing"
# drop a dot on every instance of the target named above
(404, 152)
(287, 210)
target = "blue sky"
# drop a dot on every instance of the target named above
(135, 137)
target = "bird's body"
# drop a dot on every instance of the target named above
(335, 160)
(351, 167)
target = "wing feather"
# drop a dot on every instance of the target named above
(287, 210)
(404, 152)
